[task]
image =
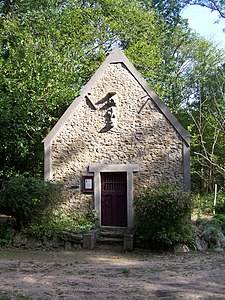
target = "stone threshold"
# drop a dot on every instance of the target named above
(117, 235)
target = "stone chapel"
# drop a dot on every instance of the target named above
(114, 139)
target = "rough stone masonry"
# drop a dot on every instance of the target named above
(139, 134)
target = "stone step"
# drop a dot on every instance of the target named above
(112, 234)
(110, 240)
(122, 236)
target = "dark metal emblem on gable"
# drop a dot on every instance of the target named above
(109, 104)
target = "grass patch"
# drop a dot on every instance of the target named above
(125, 271)
(17, 297)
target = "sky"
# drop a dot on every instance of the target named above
(202, 20)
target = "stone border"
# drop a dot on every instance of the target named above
(68, 241)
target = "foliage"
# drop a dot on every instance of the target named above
(35, 205)
(207, 113)
(5, 235)
(204, 203)
(172, 8)
(195, 94)
(48, 50)
(58, 222)
(220, 219)
(162, 216)
(212, 229)
(194, 91)
(25, 198)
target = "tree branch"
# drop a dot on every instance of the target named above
(211, 162)
(213, 6)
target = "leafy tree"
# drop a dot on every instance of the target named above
(48, 50)
(170, 10)
(173, 8)
(191, 82)
(209, 131)
(202, 85)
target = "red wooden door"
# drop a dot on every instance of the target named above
(114, 199)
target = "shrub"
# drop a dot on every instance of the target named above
(25, 198)
(56, 223)
(162, 216)
(212, 230)
(220, 205)
(220, 220)
(5, 233)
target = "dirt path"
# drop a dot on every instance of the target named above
(106, 273)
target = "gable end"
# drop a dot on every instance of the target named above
(115, 57)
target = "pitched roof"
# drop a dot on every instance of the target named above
(117, 56)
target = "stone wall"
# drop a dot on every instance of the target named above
(143, 136)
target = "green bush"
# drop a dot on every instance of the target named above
(56, 223)
(25, 198)
(220, 220)
(212, 230)
(220, 205)
(162, 216)
(5, 232)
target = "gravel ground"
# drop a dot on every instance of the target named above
(108, 273)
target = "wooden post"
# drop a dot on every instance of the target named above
(215, 198)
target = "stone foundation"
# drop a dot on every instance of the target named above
(69, 241)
